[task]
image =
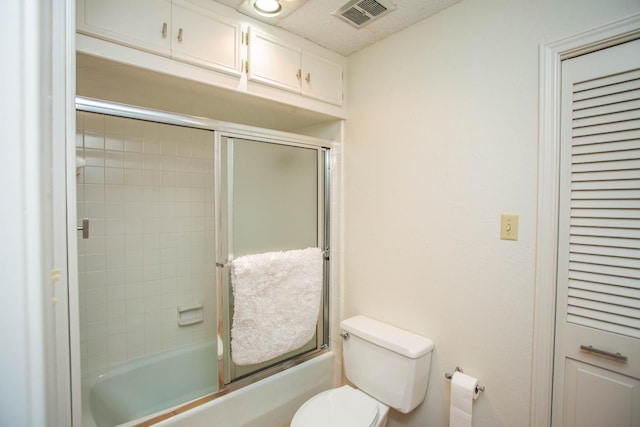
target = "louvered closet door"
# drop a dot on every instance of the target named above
(597, 362)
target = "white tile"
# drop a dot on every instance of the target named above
(97, 313)
(94, 192)
(97, 363)
(94, 122)
(93, 175)
(95, 245)
(97, 348)
(115, 278)
(133, 275)
(95, 262)
(114, 159)
(134, 258)
(114, 261)
(133, 128)
(133, 226)
(116, 293)
(132, 160)
(117, 325)
(93, 140)
(113, 124)
(151, 146)
(114, 192)
(135, 310)
(113, 176)
(96, 296)
(133, 176)
(169, 148)
(94, 210)
(151, 225)
(114, 210)
(168, 163)
(152, 256)
(114, 227)
(94, 157)
(152, 272)
(152, 177)
(96, 330)
(116, 310)
(132, 144)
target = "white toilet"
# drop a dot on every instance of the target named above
(390, 367)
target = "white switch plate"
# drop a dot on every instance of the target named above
(509, 227)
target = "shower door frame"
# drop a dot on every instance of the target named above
(229, 380)
(220, 129)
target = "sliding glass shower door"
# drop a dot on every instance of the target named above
(272, 197)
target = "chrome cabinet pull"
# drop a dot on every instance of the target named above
(180, 35)
(164, 29)
(84, 228)
(591, 349)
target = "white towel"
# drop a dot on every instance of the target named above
(276, 303)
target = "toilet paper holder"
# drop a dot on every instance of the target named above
(479, 388)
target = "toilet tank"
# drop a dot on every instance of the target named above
(388, 363)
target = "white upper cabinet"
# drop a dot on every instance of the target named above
(178, 29)
(144, 24)
(284, 65)
(203, 41)
(202, 38)
(321, 78)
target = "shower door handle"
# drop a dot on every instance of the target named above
(84, 228)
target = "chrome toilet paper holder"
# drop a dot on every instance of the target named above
(479, 388)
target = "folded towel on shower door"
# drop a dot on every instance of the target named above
(276, 303)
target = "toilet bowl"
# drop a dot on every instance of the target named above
(341, 407)
(368, 345)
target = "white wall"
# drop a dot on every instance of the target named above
(442, 139)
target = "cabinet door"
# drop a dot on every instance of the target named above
(321, 79)
(273, 62)
(201, 38)
(143, 24)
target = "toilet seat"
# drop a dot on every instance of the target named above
(338, 407)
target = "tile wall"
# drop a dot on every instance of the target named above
(148, 191)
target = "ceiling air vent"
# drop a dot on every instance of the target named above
(362, 12)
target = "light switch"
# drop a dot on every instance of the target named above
(509, 227)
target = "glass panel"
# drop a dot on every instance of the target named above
(146, 277)
(274, 193)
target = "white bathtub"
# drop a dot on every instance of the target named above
(146, 387)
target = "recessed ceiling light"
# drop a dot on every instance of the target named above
(267, 7)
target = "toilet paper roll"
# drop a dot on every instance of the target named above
(463, 393)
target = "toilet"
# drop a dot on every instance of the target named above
(390, 368)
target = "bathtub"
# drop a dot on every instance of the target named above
(149, 386)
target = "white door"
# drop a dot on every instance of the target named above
(202, 38)
(274, 62)
(322, 78)
(142, 24)
(597, 350)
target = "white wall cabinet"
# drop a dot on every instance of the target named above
(178, 29)
(281, 64)
(203, 41)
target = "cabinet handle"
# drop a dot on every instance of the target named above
(299, 74)
(616, 356)
(164, 29)
(180, 35)
(308, 78)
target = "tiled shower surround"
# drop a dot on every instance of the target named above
(147, 189)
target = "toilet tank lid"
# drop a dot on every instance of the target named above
(403, 342)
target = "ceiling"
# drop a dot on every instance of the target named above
(314, 21)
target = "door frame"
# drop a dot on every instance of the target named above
(551, 57)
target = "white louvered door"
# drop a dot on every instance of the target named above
(597, 356)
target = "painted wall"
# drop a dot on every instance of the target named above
(442, 139)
